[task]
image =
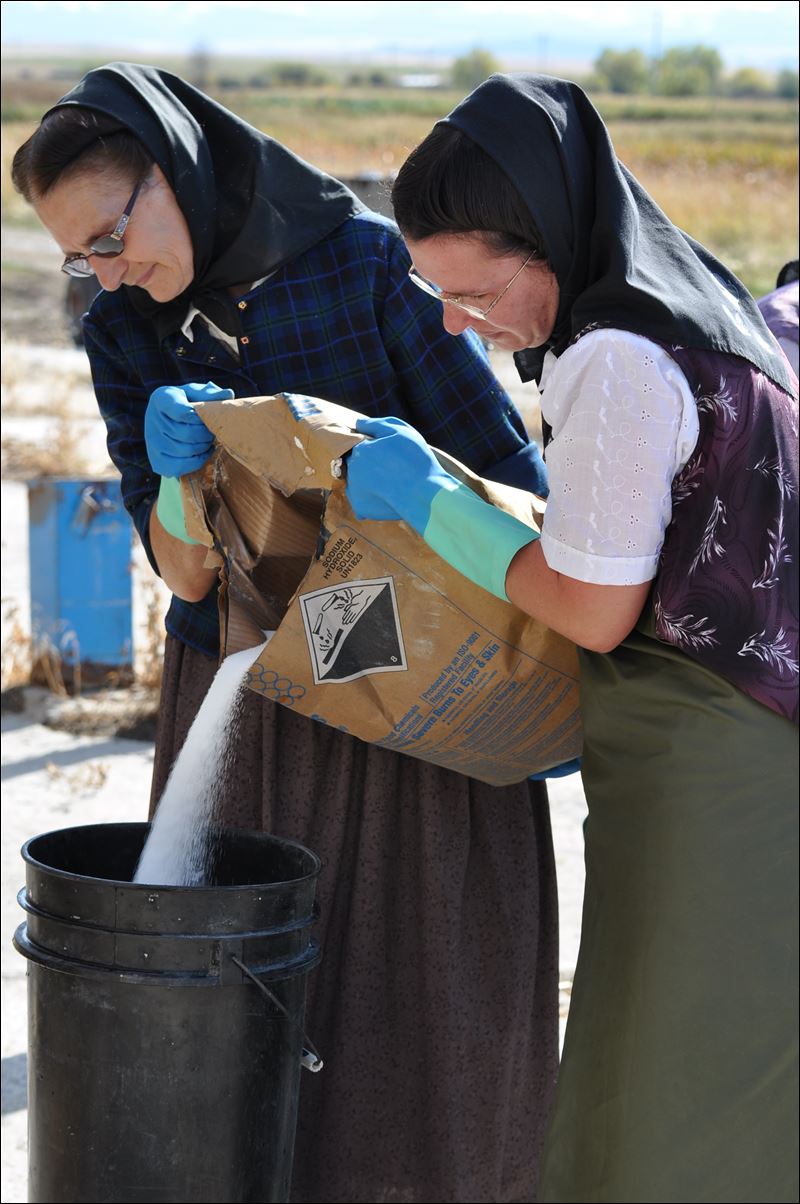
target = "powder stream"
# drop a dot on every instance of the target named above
(176, 848)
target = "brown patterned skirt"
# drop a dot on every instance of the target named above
(435, 1006)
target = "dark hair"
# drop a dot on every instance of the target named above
(448, 185)
(72, 139)
(788, 273)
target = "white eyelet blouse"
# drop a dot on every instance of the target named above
(624, 423)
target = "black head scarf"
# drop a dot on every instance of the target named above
(618, 259)
(250, 204)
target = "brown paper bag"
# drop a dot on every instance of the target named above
(373, 632)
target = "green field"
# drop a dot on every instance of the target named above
(726, 171)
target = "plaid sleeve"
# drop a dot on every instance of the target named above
(122, 398)
(122, 402)
(452, 394)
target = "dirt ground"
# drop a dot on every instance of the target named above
(33, 290)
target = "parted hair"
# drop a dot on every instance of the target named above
(71, 140)
(449, 185)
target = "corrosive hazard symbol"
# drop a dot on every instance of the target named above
(353, 630)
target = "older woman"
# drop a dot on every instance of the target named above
(224, 257)
(669, 554)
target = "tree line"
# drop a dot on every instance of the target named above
(680, 71)
(686, 71)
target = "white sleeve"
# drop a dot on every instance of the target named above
(624, 423)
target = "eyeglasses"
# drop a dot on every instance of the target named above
(457, 302)
(106, 247)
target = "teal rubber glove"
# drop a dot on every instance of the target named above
(169, 508)
(395, 475)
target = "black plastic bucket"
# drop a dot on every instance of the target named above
(165, 1023)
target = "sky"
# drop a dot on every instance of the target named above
(544, 35)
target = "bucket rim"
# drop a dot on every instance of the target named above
(129, 884)
(290, 966)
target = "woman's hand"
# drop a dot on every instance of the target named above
(178, 441)
(394, 474)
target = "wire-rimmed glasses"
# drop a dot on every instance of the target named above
(474, 311)
(106, 247)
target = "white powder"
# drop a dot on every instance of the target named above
(176, 848)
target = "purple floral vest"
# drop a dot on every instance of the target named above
(726, 590)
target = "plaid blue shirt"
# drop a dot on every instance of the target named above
(342, 322)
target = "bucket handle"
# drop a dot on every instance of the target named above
(309, 1057)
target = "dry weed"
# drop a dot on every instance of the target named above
(84, 780)
(59, 451)
(59, 455)
(15, 654)
(23, 662)
(47, 669)
(150, 657)
(58, 402)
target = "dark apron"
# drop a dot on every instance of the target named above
(679, 1075)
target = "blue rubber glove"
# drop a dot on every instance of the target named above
(395, 475)
(178, 441)
(558, 771)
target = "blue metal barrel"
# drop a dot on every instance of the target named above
(80, 541)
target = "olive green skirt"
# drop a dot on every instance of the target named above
(679, 1075)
